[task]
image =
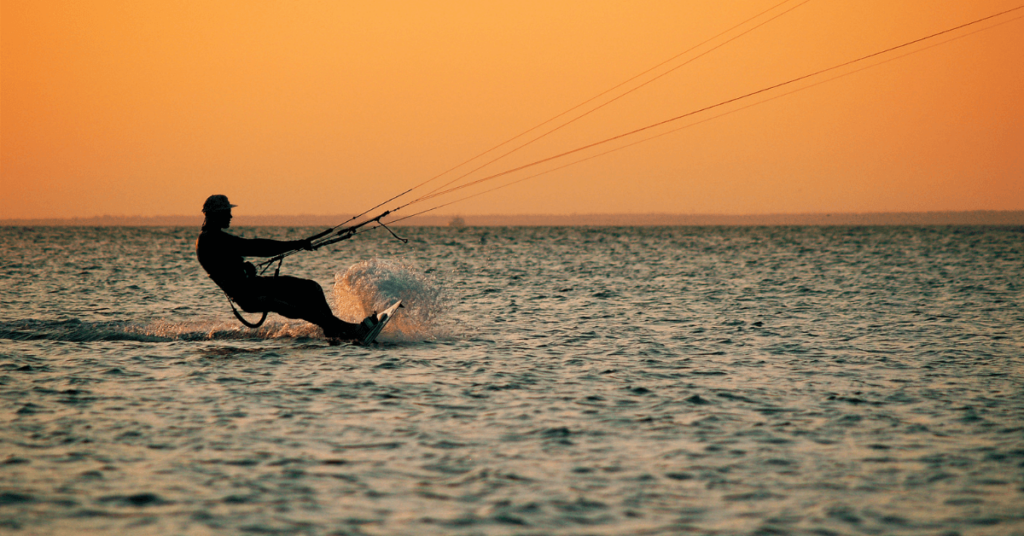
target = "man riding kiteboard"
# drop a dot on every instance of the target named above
(221, 255)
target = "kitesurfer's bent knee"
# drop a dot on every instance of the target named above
(292, 297)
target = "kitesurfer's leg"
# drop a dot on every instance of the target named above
(304, 299)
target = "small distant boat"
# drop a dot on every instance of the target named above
(457, 221)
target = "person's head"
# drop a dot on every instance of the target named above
(218, 211)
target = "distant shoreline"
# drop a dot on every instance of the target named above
(977, 217)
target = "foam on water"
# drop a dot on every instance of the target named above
(373, 285)
(365, 287)
(274, 328)
(155, 331)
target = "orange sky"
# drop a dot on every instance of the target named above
(145, 108)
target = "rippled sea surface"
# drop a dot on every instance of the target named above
(541, 381)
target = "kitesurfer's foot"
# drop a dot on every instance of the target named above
(366, 326)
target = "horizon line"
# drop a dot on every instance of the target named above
(935, 217)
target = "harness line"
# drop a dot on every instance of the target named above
(591, 99)
(711, 107)
(428, 195)
(344, 233)
(723, 114)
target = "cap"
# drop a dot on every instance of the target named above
(217, 203)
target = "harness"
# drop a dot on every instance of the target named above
(238, 315)
(250, 272)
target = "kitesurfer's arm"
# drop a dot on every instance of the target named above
(264, 247)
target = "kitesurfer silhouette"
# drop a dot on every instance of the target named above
(221, 255)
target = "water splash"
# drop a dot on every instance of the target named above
(375, 284)
(155, 331)
(216, 330)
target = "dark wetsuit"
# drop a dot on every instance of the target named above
(221, 255)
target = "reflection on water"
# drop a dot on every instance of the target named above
(544, 381)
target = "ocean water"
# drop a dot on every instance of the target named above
(806, 380)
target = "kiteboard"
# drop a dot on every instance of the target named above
(382, 320)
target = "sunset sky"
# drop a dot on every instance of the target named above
(322, 107)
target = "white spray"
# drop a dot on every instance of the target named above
(371, 286)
